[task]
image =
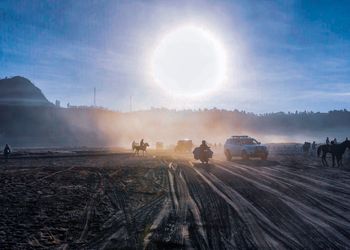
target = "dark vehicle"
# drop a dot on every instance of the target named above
(202, 155)
(184, 146)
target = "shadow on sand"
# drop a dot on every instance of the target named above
(204, 166)
(256, 162)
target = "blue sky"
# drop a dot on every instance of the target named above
(283, 55)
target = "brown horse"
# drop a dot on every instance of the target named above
(337, 151)
(136, 148)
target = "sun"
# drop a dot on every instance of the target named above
(189, 61)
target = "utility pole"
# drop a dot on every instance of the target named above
(95, 97)
(131, 103)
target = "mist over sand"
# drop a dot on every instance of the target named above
(215, 126)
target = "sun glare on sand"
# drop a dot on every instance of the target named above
(189, 61)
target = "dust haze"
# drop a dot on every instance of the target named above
(168, 126)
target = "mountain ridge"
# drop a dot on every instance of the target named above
(19, 90)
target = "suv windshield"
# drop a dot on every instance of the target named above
(249, 141)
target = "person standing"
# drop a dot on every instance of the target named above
(313, 148)
(7, 151)
(327, 141)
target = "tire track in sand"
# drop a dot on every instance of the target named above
(324, 224)
(171, 227)
(253, 218)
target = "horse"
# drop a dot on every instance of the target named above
(337, 151)
(137, 148)
(325, 148)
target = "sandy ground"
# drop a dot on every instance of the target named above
(116, 201)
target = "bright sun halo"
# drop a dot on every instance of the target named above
(189, 61)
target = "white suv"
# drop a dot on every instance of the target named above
(245, 147)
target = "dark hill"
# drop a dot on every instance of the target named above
(20, 91)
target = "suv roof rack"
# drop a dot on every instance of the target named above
(240, 136)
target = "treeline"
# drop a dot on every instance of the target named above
(283, 121)
(53, 126)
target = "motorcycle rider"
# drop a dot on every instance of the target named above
(204, 146)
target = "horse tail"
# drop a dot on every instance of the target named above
(319, 149)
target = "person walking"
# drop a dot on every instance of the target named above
(7, 151)
(313, 148)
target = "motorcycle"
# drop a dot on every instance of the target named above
(202, 155)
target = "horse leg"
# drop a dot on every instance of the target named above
(333, 160)
(324, 160)
(339, 160)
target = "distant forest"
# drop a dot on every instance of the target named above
(27, 118)
(89, 126)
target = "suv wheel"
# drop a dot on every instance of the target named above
(245, 156)
(228, 155)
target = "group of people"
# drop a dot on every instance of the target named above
(328, 142)
(334, 141)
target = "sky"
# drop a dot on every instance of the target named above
(281, 55)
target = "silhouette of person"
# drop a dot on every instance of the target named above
(335, 141)
(313, 145)
(204, 145)
(327, 141)
(7, 151)
(141, 142)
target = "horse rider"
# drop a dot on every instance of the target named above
(7, 151)
(141, 143)
(327, 141)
